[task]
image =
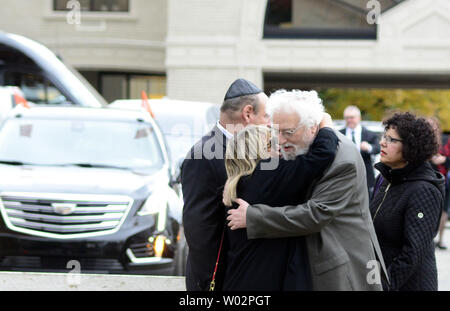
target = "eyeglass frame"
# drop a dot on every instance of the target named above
(390, 140)
(289, 132)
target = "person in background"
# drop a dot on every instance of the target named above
(407, 202)
(366, 141)
(441, 162)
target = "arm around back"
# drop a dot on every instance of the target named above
(330, 196)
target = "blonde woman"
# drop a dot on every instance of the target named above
(270, 264)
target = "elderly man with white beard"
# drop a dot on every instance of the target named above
(342, 246)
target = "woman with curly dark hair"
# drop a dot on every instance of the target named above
(407, 203)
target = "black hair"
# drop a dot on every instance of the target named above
(417, 135)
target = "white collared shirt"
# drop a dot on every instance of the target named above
(227, 134)
(357, 130)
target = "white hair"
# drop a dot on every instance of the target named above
(306, 104)
(352, 109)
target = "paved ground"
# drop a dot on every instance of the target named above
(28, 281)
(443, 263)
(31, 281)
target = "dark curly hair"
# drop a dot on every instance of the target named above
(418, 137)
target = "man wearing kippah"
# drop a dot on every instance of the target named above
(203, 177)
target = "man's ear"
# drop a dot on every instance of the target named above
(247, 113)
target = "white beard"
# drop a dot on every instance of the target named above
(292, 155)
(298, 149)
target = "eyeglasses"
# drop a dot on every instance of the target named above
(288, 133)
(390, 140)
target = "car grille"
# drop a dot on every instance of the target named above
(64, 215)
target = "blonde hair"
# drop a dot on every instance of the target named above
(243, 153)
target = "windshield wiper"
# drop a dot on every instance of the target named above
(18, 163)
(93, 165)
(88, 165)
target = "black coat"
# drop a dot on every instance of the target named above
(372, 139)
(203, 177)
(406, 210)
(282, 263)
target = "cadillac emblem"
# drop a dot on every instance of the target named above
(64, 208)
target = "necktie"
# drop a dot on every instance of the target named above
(353, 137)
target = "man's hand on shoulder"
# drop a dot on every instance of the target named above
(238, 217)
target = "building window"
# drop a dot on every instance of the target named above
(95, 5)
(321, 19)
(154, 86)
(130, 86)
(35, 87)
(114, 86)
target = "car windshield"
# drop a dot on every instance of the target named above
(86, 143)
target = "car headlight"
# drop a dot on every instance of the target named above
(156, 204)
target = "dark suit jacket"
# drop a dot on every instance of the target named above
(372, 139)
(203, 177)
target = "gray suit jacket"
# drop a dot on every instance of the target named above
(341, 240)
